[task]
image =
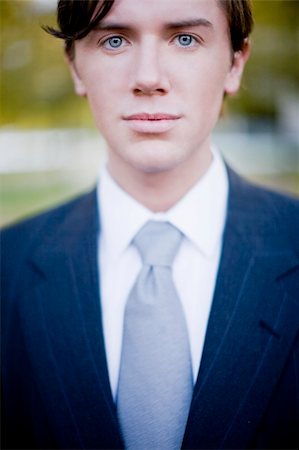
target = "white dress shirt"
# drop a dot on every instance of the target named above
(200, 215)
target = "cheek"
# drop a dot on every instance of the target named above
(104, 85)
(99, 96)
(103, 102)
(204, 79)
(205, 99)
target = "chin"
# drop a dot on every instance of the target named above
(153, 158)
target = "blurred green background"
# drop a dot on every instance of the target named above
(50, 150)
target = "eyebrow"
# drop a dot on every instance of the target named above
(171, 25)
(190, 23)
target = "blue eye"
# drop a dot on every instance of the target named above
(114, 42)
(185, 40)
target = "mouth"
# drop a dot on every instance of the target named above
(151, 123)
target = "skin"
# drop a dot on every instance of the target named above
(150, 62)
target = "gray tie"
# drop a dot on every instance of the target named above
(155, 381)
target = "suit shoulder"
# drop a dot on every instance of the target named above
(25, 231)
(286, 211)
(275, 213)
(19, 240)
(280, 204)
(261, 197)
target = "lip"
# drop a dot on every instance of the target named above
(151, 122)
(154, 116)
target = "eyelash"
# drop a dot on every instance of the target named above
(194, 40)
(105, 43)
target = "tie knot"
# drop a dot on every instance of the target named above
(158, 243)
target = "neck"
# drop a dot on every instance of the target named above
(160, 190)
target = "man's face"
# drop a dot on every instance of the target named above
(155, 73)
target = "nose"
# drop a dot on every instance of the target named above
(149, 76)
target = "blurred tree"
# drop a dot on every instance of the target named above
(35, 85)
(273, 69)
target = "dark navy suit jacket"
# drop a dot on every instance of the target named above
(56, 391)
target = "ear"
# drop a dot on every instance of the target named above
(78, 83)
(233, 78)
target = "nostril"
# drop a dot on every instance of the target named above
(139, 92)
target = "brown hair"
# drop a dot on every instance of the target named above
(76, 18)
(240, 21)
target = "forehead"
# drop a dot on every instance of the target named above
(145, 13)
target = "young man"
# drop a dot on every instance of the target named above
(161, 310)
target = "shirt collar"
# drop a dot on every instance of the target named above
(200, 215)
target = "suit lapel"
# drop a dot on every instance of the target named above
(67, 336)
(249, 332)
